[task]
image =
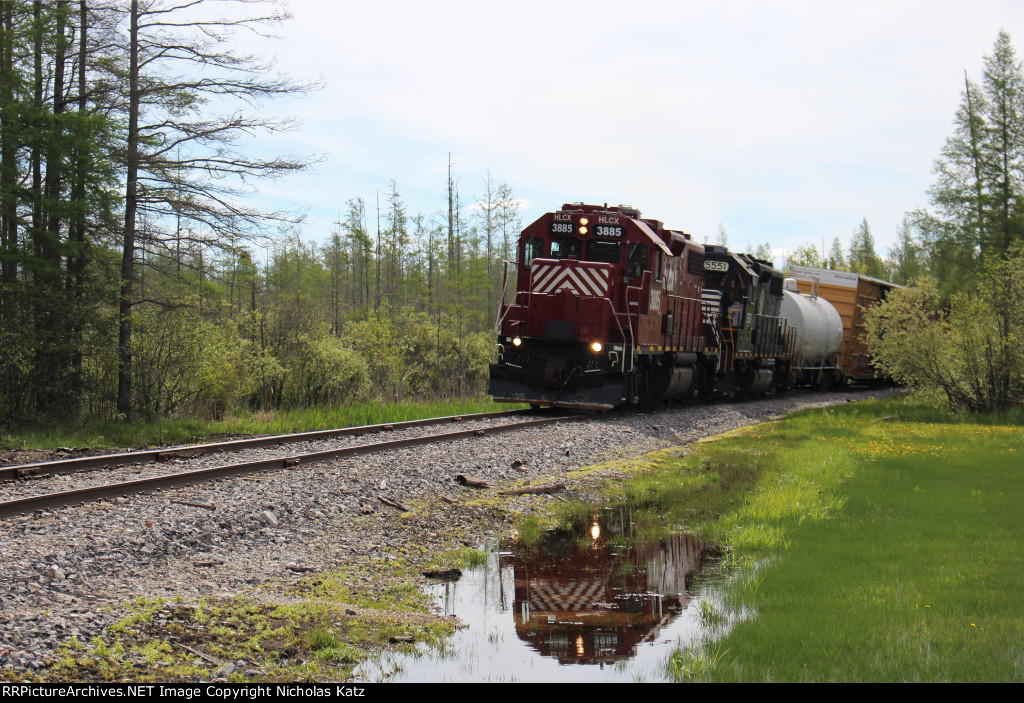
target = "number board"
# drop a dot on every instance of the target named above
(715, 265)
(614, 231)
(561, 228)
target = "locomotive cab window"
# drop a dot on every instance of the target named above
(533, 247)
(604, 252)
(566, 248)
(637, 260)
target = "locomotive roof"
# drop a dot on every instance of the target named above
(744, 262)
(650, 228)
(621, 211)
(655, 239)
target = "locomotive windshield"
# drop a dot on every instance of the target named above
(565, 248)
(604, 252)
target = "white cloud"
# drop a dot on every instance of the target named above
(788, 122)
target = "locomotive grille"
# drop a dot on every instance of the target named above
(696, 263)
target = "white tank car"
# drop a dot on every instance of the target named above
(818, 327)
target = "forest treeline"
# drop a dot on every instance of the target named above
(138, 278)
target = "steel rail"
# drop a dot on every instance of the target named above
(107, 461)
(82, 495)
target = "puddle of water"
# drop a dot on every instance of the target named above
(581, 609)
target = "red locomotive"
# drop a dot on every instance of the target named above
(613, 308)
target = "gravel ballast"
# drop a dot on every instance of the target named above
(67, 572)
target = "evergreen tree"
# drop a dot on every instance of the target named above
(360, 252)
(863, 258)
(397, 242)
(904, 263)
(836, 261)
(980, 174)
(55, 186)
(1002, 148)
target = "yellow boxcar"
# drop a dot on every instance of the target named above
(851, 294)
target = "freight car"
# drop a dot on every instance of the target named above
(850, 295)
(612, 308)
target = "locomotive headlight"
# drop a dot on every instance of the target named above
(516, 341)
(584, 221)
(596, 346)
(583, 230)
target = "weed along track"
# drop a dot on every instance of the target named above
(265, 567)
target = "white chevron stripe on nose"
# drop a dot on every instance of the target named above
(552, 278)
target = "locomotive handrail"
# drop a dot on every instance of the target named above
(500, 316)
(728, 345)
(690, 310)
(632, 335)
(775, 333)
(639, 289)
(622, 334)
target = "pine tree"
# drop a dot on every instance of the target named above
(1002, 146)
(863, 258)
(397, 242)
(836, 260)
(904, 263)
(55, 186)
(980, 174)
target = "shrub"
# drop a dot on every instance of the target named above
(324, 371)
(972, 350)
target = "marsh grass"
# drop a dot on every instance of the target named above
(694, 663)
(108, 434)
(874, 541)
(883, 544)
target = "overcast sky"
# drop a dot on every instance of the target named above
(786, 121)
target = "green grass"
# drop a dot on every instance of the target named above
(104, 434)
(874, 541)
(883, 542)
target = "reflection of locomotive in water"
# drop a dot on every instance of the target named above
(595, 603)
(612, 308)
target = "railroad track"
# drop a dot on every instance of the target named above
(21, 505)
(109, 461)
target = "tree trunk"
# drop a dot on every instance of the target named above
(8, 161)
(76, 231)
(976, 163)
(124, 337)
